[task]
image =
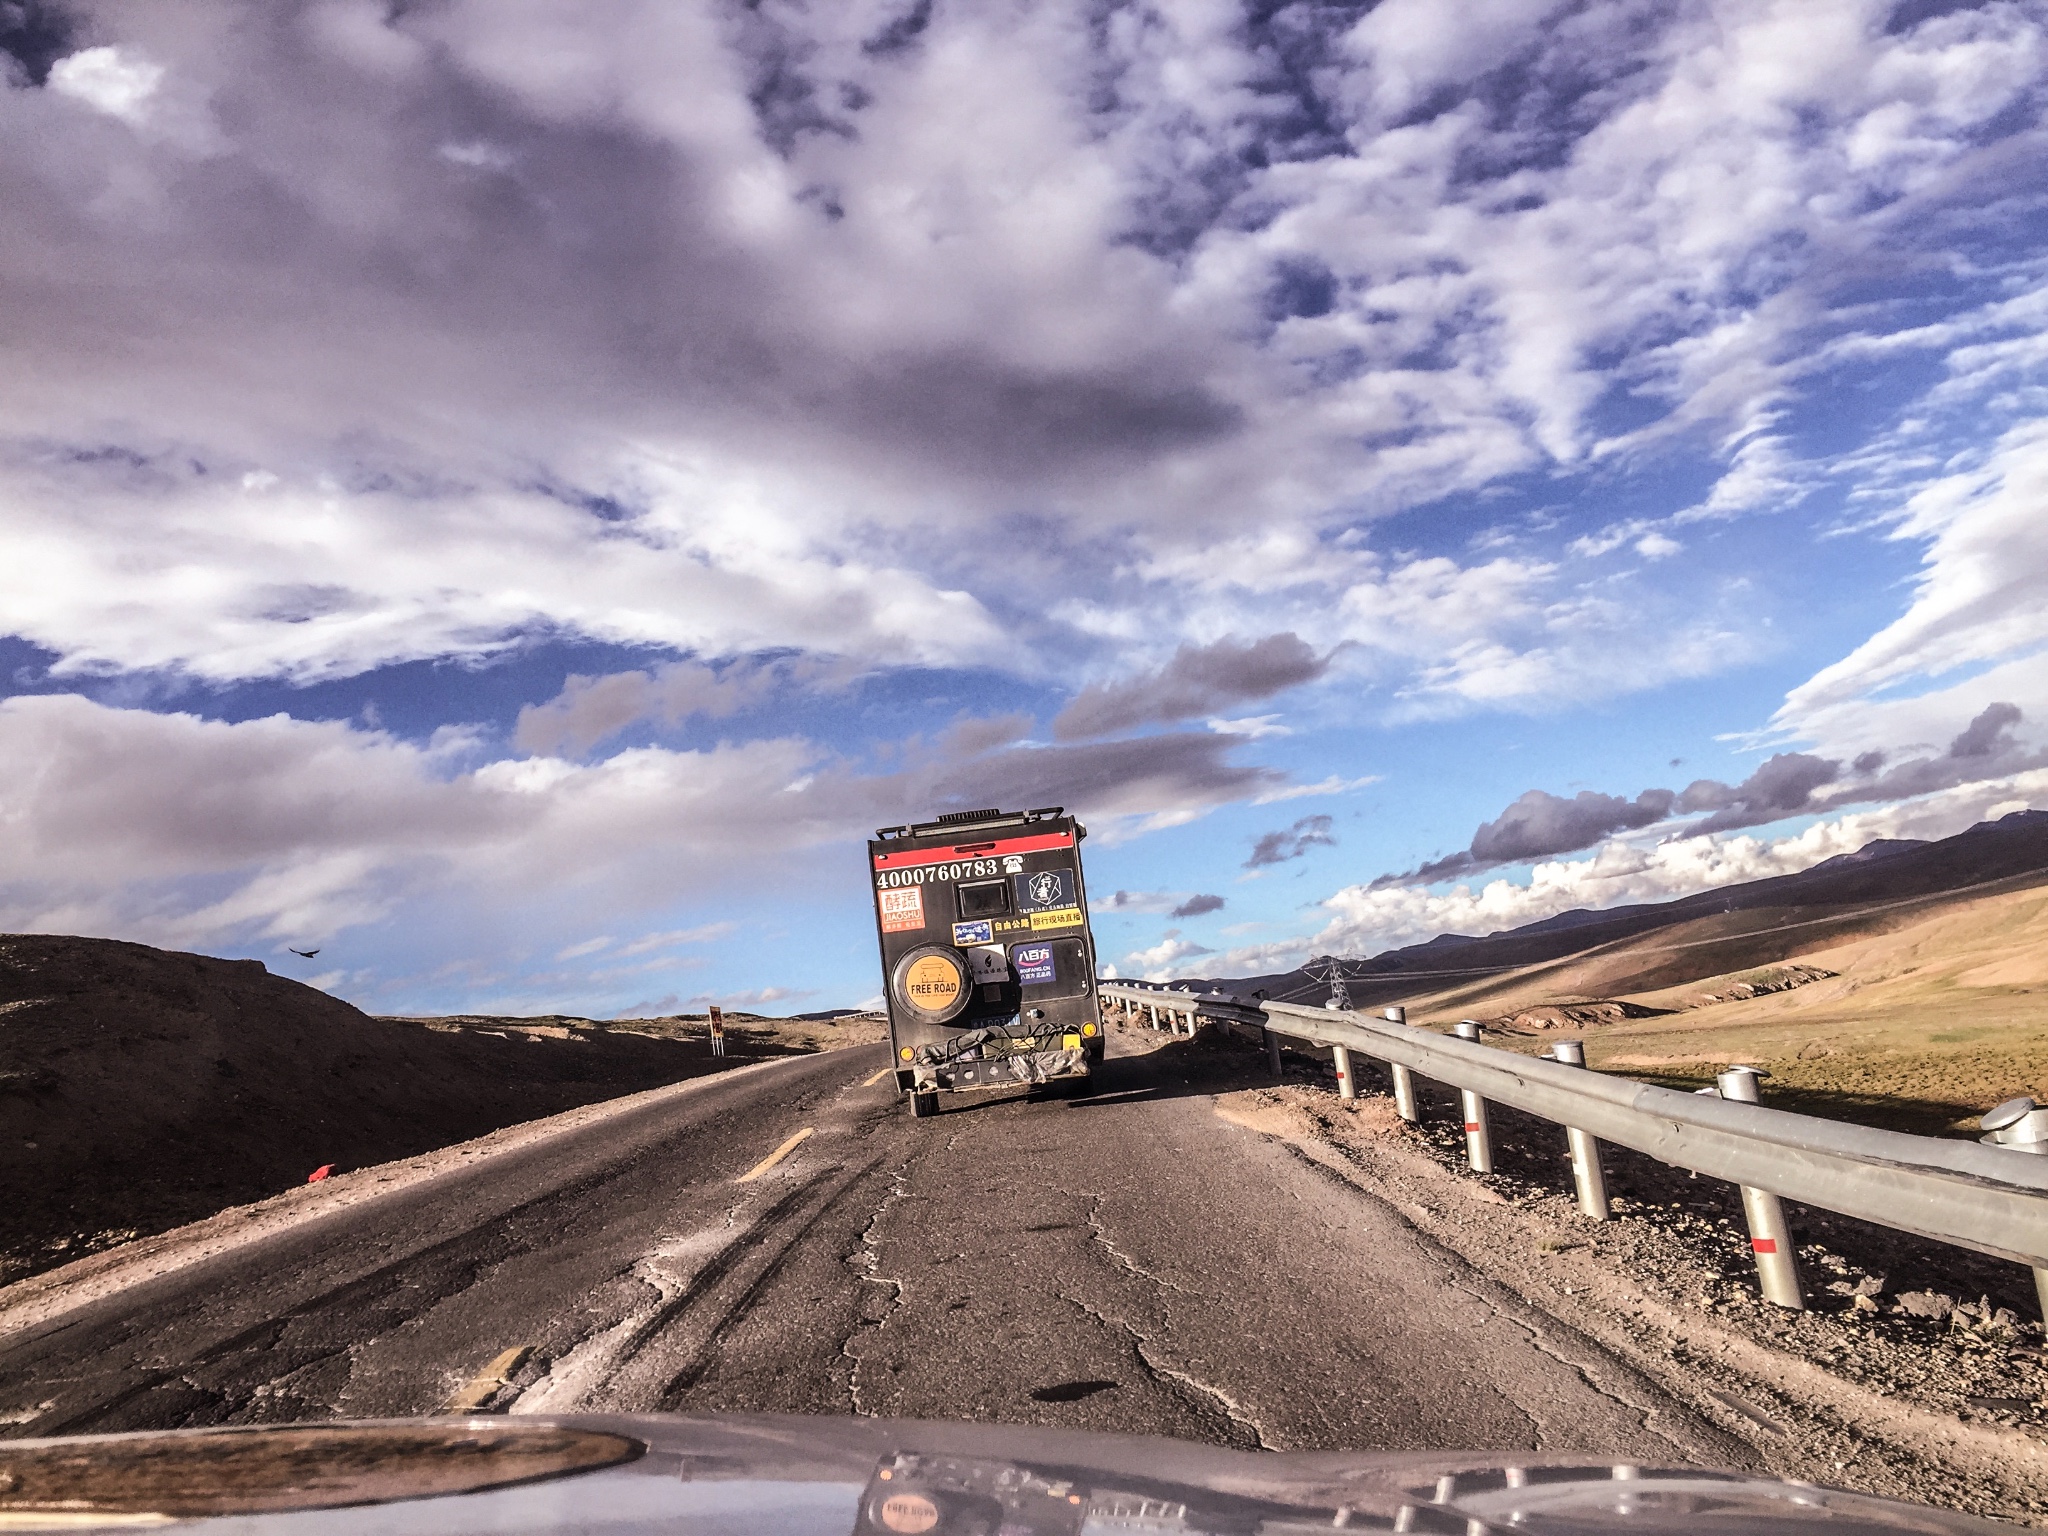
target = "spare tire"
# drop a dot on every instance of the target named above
(931, 983)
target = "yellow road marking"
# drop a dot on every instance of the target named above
(774, 1157)
(878, 1077)
(486, 1381)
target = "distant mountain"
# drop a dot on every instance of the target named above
(1885, 847)
(1611, 952)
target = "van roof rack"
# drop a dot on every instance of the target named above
(954, 821)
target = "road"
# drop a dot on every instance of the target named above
(1128, 1262)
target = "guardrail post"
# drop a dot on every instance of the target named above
(1273, 1051)
(2020, 1125)
(1478, 1137)
(1346, 1088)
(1769, 1238)
(1588, 1177)
(1404, 1080)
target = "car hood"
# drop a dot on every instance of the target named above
(612, 1475)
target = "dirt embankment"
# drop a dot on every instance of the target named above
(141, 1088)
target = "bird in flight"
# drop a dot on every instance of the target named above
(304, 953)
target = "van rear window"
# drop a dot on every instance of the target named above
(990, 898)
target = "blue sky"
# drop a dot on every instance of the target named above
(511, 494)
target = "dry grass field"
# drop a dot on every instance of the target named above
(1919, 1026)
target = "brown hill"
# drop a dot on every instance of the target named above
(1921, 1027)
(142, 1088)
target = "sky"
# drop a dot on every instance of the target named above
(510, 494)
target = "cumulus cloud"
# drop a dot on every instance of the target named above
(726, 335)
(1363, 920)
(1197, 681)
(1292, 842)
(1540, 824)
(1782, 785)
(106, 79)
(589, 709)
(1017, 340)
(1989, 734)
(183, 831)
(1165, 959)
(1976, 601)
(1198, 906)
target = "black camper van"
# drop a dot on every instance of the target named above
(987, 961)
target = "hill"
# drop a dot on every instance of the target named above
(1905, 984)
(142, 1088)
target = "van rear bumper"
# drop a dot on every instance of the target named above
(968, 1072)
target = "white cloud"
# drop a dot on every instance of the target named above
(478, 154)
(1333, 785)
(120, 84)
(126, 85)
(182, 831)
(1657, 546)
(1166, 959)
(1976, 609)
(671, 938)
(314, 581)
(1037, 339)
(844, 331)
(1255, 727)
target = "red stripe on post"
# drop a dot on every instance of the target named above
(1471, 1125)
(1764, 1244)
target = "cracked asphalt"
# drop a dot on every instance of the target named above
(1128, 1262)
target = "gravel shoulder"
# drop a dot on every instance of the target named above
(1916, 1372)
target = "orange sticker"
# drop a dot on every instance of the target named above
(932, 982)
(902, 909)
(910, 1513)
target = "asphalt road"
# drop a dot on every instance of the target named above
(1128, 1262)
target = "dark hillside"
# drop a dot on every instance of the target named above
(141, 1088)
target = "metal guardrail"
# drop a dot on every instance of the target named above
(1988, 1198)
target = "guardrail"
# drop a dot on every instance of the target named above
(1993, 1199)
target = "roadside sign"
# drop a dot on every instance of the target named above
(717, 1030)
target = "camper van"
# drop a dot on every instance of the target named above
(987, 961)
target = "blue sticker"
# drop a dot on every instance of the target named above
(1033, 962)
(973, 933)
(1047, 889)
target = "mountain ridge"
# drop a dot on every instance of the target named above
(1831, 900)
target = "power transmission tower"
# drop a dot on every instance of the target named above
(1332, 972)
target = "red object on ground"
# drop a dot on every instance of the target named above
(319, 1173)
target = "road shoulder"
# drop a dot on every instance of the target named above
(41, 1298)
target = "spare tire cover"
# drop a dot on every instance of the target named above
(932, 983)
